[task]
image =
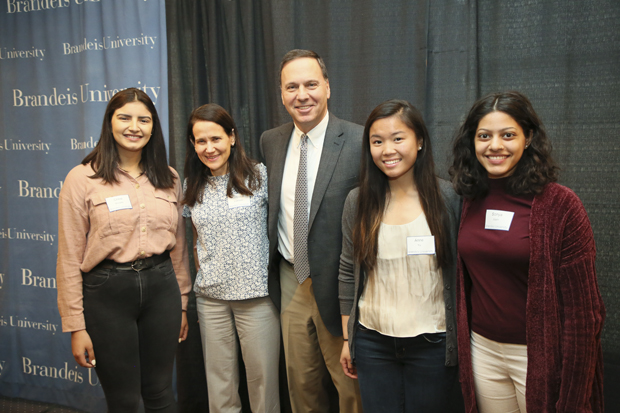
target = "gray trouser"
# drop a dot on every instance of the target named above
(256, 322)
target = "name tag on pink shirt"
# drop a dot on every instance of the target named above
(498, 220)
(116, 203)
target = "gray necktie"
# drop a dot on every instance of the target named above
(300, 218)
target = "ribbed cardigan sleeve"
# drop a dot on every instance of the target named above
(564, 253)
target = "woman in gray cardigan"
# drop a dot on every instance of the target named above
(397, 269)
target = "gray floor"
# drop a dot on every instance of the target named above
(8, 405)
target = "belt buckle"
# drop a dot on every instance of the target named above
(137, 265)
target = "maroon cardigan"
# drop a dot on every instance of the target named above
(564, 310)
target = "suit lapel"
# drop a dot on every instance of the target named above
(334, 141)
(280, 146)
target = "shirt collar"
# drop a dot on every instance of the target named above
(315, 135)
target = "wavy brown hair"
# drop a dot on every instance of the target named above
(374, 190)
(535, 169)
(243, 176)
(104, 158)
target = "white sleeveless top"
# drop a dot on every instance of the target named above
(403, 295)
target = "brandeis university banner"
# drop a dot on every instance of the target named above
(60, 63)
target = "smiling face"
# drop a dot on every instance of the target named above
(394, 147)
(304, 92)
(499, 143)
(132, 125)
(212, 146)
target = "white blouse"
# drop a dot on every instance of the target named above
(403, 295)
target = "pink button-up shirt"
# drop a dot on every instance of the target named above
(88, 232)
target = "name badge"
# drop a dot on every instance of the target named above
(498, 220)
(116, 203)
(239, 201)
(421, 245)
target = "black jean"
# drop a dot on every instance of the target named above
(403, 374)
(133, 319)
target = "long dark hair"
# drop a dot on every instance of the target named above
(374, 188)
(241, 168)
(104, 158)
(534, 170)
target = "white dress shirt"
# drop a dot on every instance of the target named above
(316, 137)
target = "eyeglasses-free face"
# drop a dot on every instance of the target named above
(132, 125)
(304, 92)
(499, 144)
(213, 145)
(394, 147)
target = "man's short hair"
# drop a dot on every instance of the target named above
(298, 54)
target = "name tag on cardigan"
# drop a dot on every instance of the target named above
(498, 220)
(239, 201)
(421, 245)
(116, 203)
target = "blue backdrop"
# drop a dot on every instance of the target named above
(60, 61)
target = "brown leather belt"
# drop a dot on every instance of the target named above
(137, 265)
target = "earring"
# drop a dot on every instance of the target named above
(420, 148)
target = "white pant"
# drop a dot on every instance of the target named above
(257, 324)
(499, 370)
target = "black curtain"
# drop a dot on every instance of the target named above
(441, 55)
(216, 54)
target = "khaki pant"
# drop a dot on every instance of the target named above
(500, 370)
(255, 322)
(312, 353)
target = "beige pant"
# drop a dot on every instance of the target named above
(312, 353)
(500, 370)
(255, 322)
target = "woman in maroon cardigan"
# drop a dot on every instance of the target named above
(529, 311)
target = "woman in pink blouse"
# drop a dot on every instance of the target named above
(529, 310)
(122, 270)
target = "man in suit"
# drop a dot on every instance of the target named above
(312, 164)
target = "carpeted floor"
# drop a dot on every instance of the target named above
(27, 406)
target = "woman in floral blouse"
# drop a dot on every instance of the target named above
(226, 199)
